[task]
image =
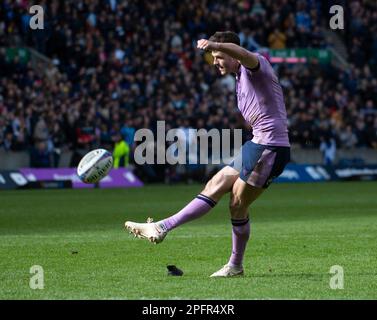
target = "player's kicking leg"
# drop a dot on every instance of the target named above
(220, 184)
(247, 177)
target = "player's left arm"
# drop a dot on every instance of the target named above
(245, 57)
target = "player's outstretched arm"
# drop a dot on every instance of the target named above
(246, 58)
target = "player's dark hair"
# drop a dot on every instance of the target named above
(225, 37)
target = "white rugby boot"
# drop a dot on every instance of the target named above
(151, 231)
(228, 271)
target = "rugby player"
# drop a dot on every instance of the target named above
(261, 103)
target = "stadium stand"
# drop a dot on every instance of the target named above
(118, 66)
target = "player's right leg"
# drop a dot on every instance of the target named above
(221, 183)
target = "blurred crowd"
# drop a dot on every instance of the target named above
(118, 66)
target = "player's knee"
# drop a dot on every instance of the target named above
(213, 187)
(208, 187)
(237, 208)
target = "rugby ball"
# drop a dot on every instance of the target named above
(94, 166)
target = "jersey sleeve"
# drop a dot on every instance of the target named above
(263, 67)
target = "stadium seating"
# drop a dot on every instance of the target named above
(118, 66)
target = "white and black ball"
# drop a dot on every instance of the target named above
(94, 166)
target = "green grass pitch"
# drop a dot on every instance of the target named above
(298, 232)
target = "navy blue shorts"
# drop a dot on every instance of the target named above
(259, 164)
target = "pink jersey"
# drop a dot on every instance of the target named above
(261, 102)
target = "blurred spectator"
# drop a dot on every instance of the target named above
(128, 132)
(303, 21)
(347, 137)
(41, 133)
(121, 153)
(277, 40)
(328, 149)
(373, 134)
(40, 157)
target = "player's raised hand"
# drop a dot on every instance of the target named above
(205, 44)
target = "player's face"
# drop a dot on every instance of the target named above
(224, 62)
